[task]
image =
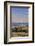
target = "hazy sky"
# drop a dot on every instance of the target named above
(19, 14)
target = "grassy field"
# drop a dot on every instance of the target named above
(19, 32)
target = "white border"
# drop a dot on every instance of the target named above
(13, 39)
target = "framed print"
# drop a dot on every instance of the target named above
(18, 22)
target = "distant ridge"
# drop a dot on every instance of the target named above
(19, 24)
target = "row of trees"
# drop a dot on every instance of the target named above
(18, 30)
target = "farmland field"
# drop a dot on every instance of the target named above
(19, 32)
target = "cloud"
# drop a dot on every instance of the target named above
(16, 19)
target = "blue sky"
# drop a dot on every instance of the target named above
(19, 14)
